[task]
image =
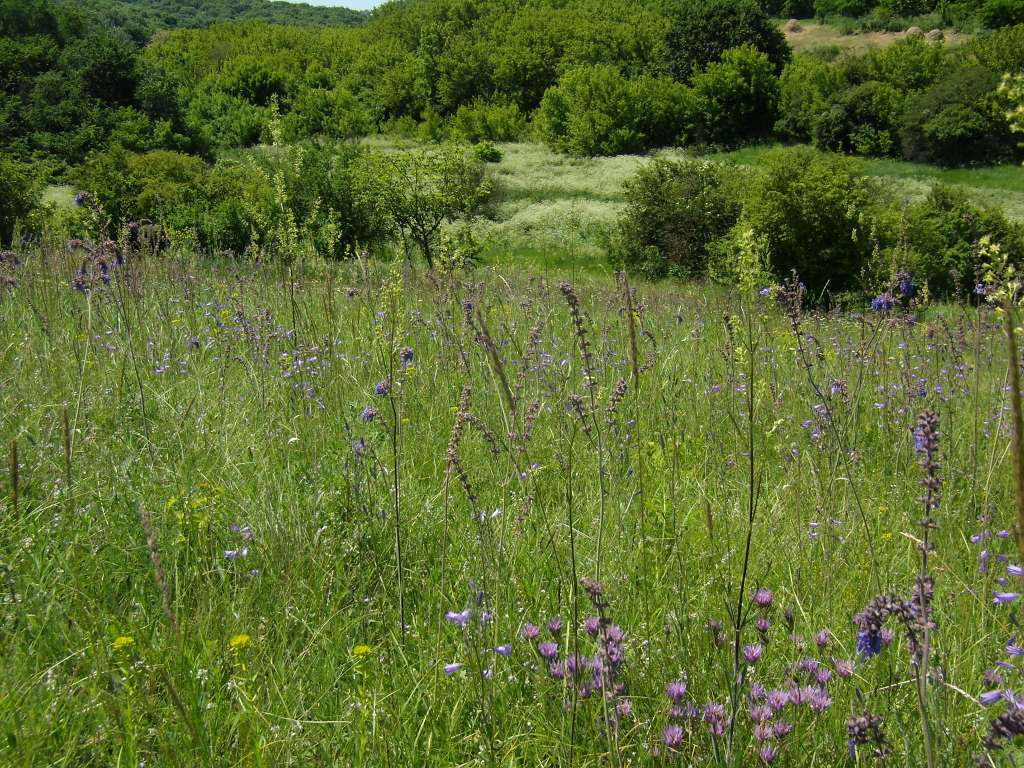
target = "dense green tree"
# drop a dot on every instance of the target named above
(958, 121)
(816, 212)
(19, 195)
(599, 111)
(807, 88)
(735, 99)
(864, 120)
(674, 211)
(703, 30)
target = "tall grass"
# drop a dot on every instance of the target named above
(233, 546)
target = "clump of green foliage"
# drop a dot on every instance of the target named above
(675, 209)
(703, 30)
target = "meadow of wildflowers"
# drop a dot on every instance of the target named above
(268, 515)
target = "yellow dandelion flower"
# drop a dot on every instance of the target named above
(362, 650)
(122, 642)
(238, 642)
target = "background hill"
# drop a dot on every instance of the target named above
(145, 17)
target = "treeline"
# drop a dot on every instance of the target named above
(591, 77)
(586, 76)
(73, 81)
(156, 15)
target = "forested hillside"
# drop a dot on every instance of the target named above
(155, 15)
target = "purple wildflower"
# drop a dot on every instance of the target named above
(752, 653)
(459, 619)
(676, 691)
(548, 650)
(673, 736)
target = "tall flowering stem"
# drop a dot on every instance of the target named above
(1003, 288)
(926, 438)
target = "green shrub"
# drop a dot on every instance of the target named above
(334, 113)
(816, 212)
(674, 210)
(960, 120)
(942, 234)
(488, 121)
(19, 195)
(905, 7)
(1001, 13)
(909, 64)
(807, 88)
(486, 152)
(421, 191)
(598, 111)
(225, 121)
(851, 8)
(789, 9)
(865, 120)
(703, 30)
(735, 99)
(1000, 51)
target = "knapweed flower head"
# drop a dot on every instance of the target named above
(676, 691)
(555, 626)
(548, 650)
(752, 653)
(768, 753)
(530, 632)
(763, 597)
(673, 736)
(714, 716)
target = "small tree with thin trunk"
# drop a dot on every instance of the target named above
(423, 189)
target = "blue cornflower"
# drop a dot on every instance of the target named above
(906, 285)
(868, 644)
(883, 302)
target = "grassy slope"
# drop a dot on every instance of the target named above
(814, 36)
